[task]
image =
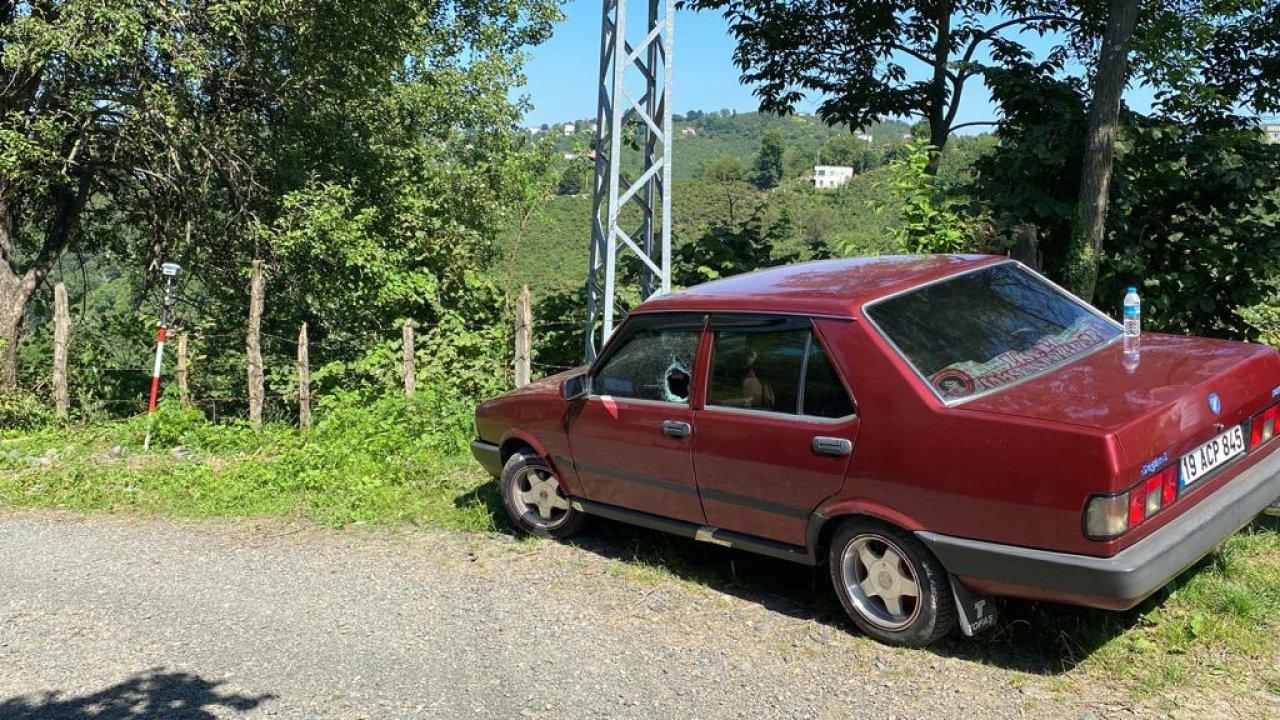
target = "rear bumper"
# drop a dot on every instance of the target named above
(1125, 579)
(488, 455)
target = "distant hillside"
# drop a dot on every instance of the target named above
(712, 135)
(548, 249)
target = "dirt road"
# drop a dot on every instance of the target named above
(139, 618)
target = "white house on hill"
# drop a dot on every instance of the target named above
(1273, 132)
(831, 176)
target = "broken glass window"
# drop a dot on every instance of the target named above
(652, 365)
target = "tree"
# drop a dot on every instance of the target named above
(725, 249)
(846, 149)
(1207, 61)
(1111, 74)
(1032, 177)
(574, 179)
(768, 162)
(1195, 224)
(207, 132)
(724, 168)
(859, 57)
(932, 220)
(1195, 215)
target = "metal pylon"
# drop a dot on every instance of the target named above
(622, 115)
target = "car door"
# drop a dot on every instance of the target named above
(631, 436)
(774, 432)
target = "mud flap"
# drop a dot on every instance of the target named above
(977, 613)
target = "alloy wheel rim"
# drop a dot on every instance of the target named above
(539, 499)
(880, 582)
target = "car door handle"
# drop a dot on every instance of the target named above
(676, 428)
(833, 446)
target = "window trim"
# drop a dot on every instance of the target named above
(774, 414)
(648, 321)
(793, 322)
(952, 402)
(844, 382)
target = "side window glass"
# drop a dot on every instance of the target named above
(652, 365)
(824, 394)
(759, 370)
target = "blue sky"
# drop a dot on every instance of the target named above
(562, 71)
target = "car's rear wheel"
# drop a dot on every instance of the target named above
(892, 587)
(534, 499)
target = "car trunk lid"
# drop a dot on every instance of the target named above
(1157, 404)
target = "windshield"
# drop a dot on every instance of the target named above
(985, 329)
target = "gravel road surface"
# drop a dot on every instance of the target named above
(130, 618)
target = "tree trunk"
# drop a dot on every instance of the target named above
(15, 294)
(938, 129)
(1109, 80)
(18, 286)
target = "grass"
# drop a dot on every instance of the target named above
(1216, 628)
(371, 465)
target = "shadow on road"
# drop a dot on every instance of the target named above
(1042, 638)
(149, 695)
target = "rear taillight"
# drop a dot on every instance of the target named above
(1107, 517)
(1265, 426)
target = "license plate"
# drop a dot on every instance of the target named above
(1204, 459)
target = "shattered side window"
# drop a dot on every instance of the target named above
(652, 365)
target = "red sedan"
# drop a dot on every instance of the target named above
(936, 429)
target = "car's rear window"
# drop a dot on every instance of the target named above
(982, 330)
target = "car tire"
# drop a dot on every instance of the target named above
(891, 586)
(534, 499)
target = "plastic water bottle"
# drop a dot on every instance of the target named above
(1132, 320)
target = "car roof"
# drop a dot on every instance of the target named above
(830, 288)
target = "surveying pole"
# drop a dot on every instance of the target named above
(170, 271)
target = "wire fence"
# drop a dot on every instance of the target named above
(220, 403)
(208, 365)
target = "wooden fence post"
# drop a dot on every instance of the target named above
(184, 387)
(410, 385)
(61, 334)
(253, 346)
(304, 380)
(524, 337)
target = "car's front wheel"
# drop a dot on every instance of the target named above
(534, 498)
(890, 584)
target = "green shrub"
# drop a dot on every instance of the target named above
(169, 427)
(931, 218)
(1264, 317)
(22, 412)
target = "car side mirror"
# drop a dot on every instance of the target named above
(578, 386)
